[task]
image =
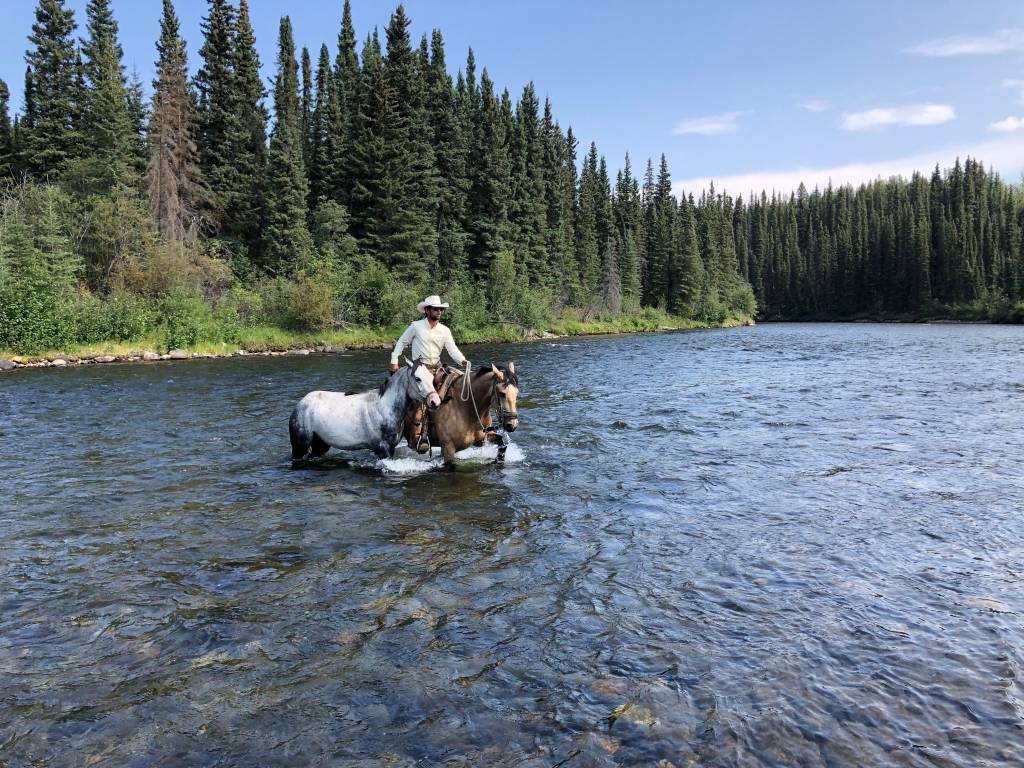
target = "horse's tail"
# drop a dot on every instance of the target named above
(301, 437)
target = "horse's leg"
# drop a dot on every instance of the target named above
(299, 437)
(448, 451)
(318, 447)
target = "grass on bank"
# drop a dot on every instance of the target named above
(266, 338)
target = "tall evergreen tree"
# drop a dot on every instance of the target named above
(110, 132)
(7, 157)
(53, 135)
(286, 239)
(248, 137)
(217, 106)
(175, 190)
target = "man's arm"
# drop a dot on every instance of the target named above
(453, 351)
(403, 341)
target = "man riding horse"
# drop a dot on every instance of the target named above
(428, 337)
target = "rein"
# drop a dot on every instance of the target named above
(467, 386)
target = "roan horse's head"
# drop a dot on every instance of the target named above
(421, 385)
(506, 385)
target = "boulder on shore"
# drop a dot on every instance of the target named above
(177, 354)
(150, 356)
(6, 365)
(104, 359)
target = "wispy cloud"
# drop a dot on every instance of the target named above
(1005, 155)
(1009, 125)
(1001, 41)
(711, 125)
(815, 105)
(913, 114)
(1016, 84)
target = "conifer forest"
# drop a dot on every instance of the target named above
(206, 207)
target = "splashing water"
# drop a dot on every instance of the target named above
(409, 464)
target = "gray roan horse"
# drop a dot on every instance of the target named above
(370, 420)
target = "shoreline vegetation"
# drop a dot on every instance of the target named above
(190, 218)
(272, 341)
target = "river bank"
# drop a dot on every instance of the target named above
(270, 341)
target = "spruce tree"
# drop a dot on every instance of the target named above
(7, 158)
(419, 199)
(306, 108)
(451, 151)
(248, 138)
(138, 116)
(345, 112)
(217, 106)
(175, 190)
(286, 240)
(53, 138)
(320, 152)
(487, 216)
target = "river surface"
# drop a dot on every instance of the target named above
(790, 545)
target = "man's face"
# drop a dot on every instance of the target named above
(434, 313)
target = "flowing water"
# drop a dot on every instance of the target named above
(777, 546)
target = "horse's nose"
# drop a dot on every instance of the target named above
(433, 401)
(511, 425)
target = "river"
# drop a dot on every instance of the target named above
(773, 546)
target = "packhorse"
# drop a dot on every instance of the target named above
(368, 420)
(464, 416)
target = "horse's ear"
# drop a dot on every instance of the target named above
(497, 372)
(512, 368)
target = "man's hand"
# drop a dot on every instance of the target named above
(394, 368)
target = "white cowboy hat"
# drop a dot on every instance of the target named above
(431, 301)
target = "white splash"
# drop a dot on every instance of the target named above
(408, 463)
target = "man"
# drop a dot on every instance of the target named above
(428, 337)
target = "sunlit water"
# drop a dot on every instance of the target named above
(778, 546)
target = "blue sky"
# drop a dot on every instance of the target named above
(750, 94)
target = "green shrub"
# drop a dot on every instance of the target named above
(187, 320)
(312, 305)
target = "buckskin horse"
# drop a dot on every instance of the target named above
(464, 416)
(370, 420)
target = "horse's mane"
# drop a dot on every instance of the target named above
(387, 381)
(485, 368)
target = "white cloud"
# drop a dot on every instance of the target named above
(1009, 125)
(1002, 41)
(913, 114)
(710, 126)
(1004, 155)
(815, 105)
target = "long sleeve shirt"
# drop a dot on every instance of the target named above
(427, 343)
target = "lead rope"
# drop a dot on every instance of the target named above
(503, 439)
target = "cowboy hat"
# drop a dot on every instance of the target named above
(431, 301)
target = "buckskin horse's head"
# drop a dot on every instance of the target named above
(506, 385)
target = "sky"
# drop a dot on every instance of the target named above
(748, 94)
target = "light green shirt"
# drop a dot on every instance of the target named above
(427, 343)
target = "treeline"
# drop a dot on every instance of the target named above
(940, 245)
(380, 176)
